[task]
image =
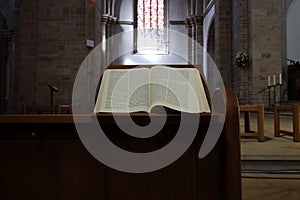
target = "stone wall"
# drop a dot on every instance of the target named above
(51, 41)
(258, 29)
(266, 47)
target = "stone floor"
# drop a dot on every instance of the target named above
(270, 169)
(274, 147)
(274, 188)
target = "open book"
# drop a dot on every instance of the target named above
(140, 89)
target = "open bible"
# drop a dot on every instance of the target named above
(141, 89)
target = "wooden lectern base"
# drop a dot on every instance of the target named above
(42, 157)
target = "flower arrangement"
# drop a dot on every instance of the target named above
(241, 59)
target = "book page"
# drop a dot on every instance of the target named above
(158, 89)
(178, 88)
(124, 91)
(139, 90)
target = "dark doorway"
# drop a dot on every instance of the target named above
(294, 80)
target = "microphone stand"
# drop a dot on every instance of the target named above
(52, 89)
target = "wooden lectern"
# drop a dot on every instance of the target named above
(42, 157)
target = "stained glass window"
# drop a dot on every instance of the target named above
(151, 34)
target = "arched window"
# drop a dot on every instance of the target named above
(151, 37)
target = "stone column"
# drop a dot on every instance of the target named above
(241, 78)
(198, 37)
(223, 34)
(104, 22)
(189, 26)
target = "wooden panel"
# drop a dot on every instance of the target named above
(46, 160)
(47, 169)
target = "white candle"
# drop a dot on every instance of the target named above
(280, 78)
(274, 79)
(269, 80)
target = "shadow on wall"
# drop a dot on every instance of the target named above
(7, 10)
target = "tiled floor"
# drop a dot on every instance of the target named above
(271, 169)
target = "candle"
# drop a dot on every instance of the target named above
(274, 79)
(280, 78)
(269, 80)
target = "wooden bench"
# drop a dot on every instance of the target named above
(38, 109)
(295, 113)
(65, 108)
(259, 110)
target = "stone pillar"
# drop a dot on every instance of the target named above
(241, 77)
(189, 26)
(110, 33)
(98, 25)
(223, 35)
(266, 45)
(198, 32)
(104, 26)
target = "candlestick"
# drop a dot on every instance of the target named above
(269, 95)
(280, 78)
(274, 94)
(274, 79)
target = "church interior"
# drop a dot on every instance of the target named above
(52, 57)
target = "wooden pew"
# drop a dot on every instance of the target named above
(54, 109)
